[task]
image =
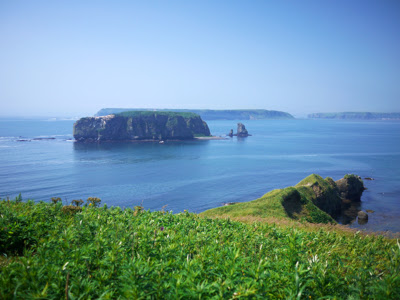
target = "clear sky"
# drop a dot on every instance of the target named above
(71, 58)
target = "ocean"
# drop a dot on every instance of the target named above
(199, 175)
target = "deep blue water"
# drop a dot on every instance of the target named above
(198, 175)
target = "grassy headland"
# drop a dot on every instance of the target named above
(297, 203)
(55, 252)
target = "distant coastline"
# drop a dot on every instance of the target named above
(356, 116)
(208, 114)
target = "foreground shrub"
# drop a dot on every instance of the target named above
(111, 253)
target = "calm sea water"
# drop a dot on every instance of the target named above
(198, 175)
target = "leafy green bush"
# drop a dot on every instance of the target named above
(111, 253)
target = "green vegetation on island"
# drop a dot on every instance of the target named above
(140, 125)
(48, 252)
(137, 113)
(356, 116)
(209, 114)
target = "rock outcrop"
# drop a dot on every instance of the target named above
(241, 131)
(140, 125)
(350, 187)
(362, 217)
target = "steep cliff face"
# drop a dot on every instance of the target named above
(140, 125)
(350, 187)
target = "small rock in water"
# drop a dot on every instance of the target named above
(241, 130)
(47, 138)
(369, 211)
(369, 178)
(230, 203)
(362, 217)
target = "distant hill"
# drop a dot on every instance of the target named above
(356, 116)
(208, 114)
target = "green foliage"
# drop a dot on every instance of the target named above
(138, 113)
(209, 114)
(70, 209)
(122, 254)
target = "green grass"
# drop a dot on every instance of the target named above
(134, 113)
(292, 202)
(109, 253)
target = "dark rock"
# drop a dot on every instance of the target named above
(230, 133)
(362, 217)
(241, 130)
(230, 203)
(369, 211)
(40, 139)
(350, 187)
(140, 126)
(369, 178)
(327, 198)
(23, 140)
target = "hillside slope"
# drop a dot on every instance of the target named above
(314, 200)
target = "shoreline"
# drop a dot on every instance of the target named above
(210, 138)
(202, 138)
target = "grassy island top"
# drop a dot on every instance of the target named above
(139, 113)
(210, 114)
(50, 251)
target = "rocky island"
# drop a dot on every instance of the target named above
(141, 126)
(241, 131)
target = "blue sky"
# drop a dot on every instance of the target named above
(71, 58)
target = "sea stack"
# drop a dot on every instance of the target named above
(350, 187)
(241, 130)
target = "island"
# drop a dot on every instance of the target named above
(356, 116)
(141, 126)
(209, 114)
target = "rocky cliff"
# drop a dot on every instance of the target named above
(140, 125)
